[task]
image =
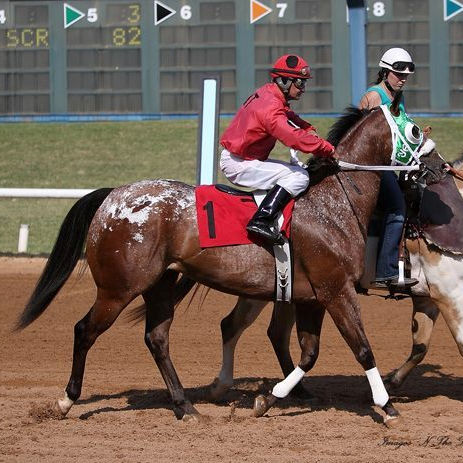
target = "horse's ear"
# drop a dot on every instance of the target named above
(395, 110)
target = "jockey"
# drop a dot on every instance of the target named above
(264, 118)
(396, 65)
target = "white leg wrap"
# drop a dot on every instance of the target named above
(380, 395)
(283, 388)
(65, 403)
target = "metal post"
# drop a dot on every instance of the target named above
(358, 59)
(208, 131)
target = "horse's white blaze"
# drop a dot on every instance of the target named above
(65, 403)
(283, 388)
(380, 395)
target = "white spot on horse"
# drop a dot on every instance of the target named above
(138, 237)
(446, 278)
(140, 201)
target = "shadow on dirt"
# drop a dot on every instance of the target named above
(347, 393)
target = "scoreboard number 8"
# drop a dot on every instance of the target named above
(379, 9)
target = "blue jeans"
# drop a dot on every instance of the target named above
(392, 202)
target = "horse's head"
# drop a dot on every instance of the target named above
(416, 148)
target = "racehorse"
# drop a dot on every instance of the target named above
(439, 268)
(139, 237)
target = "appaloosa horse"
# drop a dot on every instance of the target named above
(139, 237)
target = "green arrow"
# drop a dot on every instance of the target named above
(71, 15)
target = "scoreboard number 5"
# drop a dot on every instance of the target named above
(92, 15)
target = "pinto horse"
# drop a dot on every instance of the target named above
(140, 237)
(439, 268)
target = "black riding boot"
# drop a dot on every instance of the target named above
(263, 221)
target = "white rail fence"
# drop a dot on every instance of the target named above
(60, 193)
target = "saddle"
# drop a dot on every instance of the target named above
(438, 217)
(223, 213)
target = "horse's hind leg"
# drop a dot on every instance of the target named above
(425, 313)
(232, 326)
(309, 323)
(279, 333)
(101, 316)
(159, 315)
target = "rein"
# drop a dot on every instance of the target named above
(349, 166)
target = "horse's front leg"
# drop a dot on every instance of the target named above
(309, 320)
(425, 313)
(345, 312)
(159, 315)
(232, 326)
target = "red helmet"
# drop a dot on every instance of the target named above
(291, 66)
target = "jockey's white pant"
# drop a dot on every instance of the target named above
(264, 175)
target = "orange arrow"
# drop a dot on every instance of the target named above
(258, 10)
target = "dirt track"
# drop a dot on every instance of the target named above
(125, 414)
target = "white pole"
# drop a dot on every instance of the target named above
(23, 237)
(208, 131)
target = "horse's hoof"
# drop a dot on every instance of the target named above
(391, 421)
(58, 410)
(217, 390)
(392, 415)
(62, 406)
(260, 406)
(193, 418)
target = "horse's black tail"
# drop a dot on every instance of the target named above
(68, 249)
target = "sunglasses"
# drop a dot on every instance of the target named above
(400, 66)
(299, 83)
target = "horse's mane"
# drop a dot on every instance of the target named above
(351, 116)
(348, 119)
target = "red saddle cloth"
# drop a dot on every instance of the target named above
(222, 217)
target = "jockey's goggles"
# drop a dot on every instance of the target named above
(400, 66)
(299, 83)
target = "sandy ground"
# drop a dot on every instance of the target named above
(125, 414)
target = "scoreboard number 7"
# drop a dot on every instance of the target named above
(282, 7)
